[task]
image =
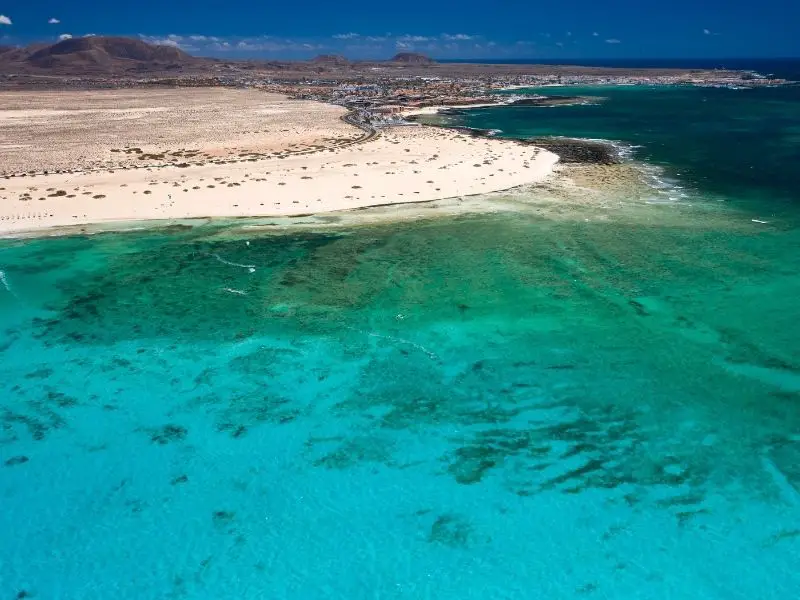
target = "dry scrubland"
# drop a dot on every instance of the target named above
(72, 158)
(107, 128)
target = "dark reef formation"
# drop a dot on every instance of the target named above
(571, 150)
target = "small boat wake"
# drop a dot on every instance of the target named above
(233, 291)
(397, 340)
(251, 268)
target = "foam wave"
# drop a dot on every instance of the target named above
(668, 189)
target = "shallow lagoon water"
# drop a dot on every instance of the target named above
(498, 406)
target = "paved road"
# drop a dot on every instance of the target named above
(370, 132)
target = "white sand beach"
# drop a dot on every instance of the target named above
(72, 158)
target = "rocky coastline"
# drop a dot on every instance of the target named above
(577, 151)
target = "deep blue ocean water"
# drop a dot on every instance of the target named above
(738, 145)
(485, 406)
(786, 68)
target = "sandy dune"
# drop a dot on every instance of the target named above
(168, 154)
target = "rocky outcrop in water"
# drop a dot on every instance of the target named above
(571, 150)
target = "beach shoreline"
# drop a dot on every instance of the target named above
(163, 161)
(434, 110)
(625, 192)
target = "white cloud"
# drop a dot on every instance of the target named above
(53, 21)
(4, 20)
(613, 41)
(361, 45)
(261, 44)
(176, 41)
(170, 40)
(707, 31)
(89, 35)
(414, 38)
(595, 34)
(65, 36)
(569, 34)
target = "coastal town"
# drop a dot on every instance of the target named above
(425, 91)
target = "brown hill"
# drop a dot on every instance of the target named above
(330, 59)
(12, 53)
(92, 54)
(412, 58)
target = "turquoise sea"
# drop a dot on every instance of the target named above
(499, 406)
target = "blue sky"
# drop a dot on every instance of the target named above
(466, 29)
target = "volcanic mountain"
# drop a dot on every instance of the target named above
(330, 59)
(93, 54)
(412, 58)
